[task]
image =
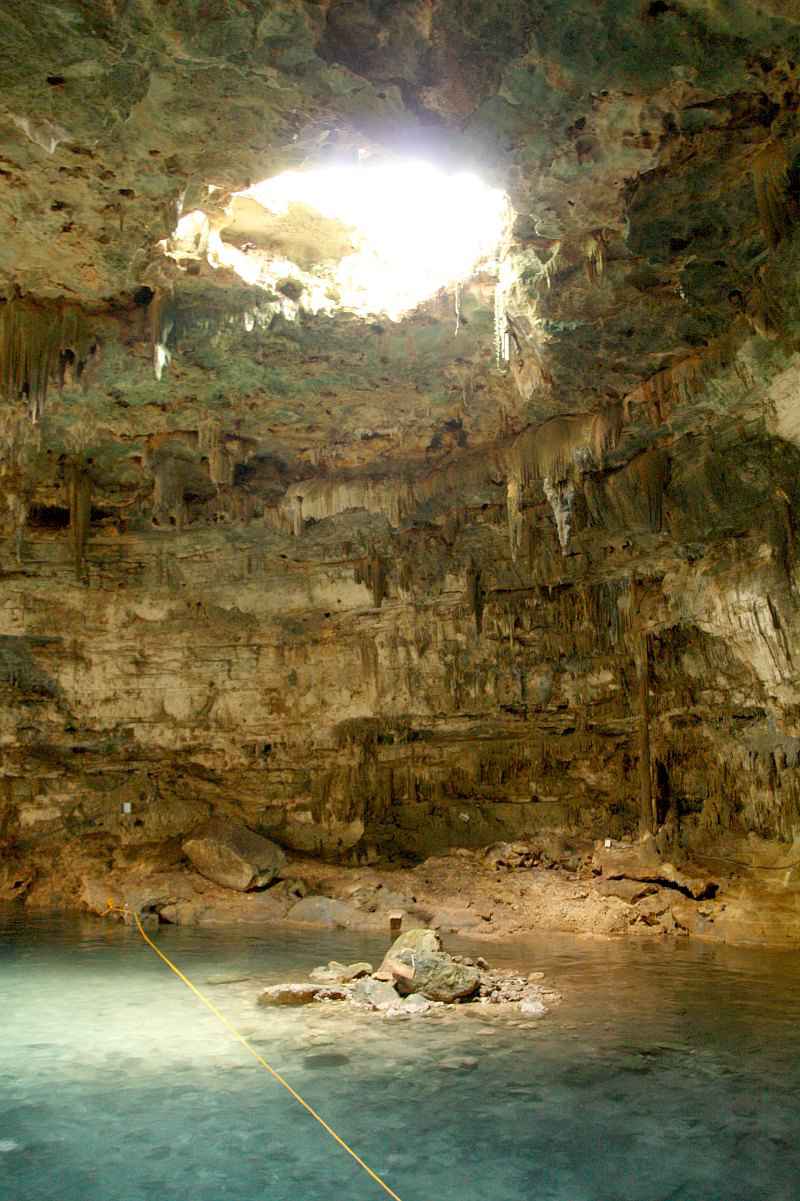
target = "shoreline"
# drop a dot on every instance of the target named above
(492, 895)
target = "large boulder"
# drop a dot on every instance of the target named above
(323, 911)
(452, 920)
(418, 941)
(226, 852)
(642, 862)
(434, 974)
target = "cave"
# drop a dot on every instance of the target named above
(400, 540)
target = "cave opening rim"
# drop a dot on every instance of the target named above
(416, 229)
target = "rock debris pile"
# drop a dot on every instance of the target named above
(417, 976)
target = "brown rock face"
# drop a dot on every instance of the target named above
(521, 565)
(229, 854)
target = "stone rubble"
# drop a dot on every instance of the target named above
(417, 977)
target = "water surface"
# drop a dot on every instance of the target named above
(670, 1073)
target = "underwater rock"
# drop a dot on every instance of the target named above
(229, 854)
(458, 1063)
(532, 1007)
(289, 994)
(413, 1005)
(326, 1059)
(434, 974)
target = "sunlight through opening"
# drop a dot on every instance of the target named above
(416, 228)
(373, 239)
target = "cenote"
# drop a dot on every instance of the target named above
(669, 1072)
(400, 540)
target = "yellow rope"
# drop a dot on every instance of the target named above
(259, 1058)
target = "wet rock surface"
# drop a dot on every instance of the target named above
(424, 979)
(340, 973)
(435, 975)
(289, 994)
(566, 889)
(382, 589)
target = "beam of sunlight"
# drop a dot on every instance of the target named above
(419, 228)
(415, 229)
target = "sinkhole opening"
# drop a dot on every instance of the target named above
(374, 238)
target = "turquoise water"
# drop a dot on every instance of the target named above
(670, 1073)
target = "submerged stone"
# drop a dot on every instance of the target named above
(289, 994)
(458, 1063)
(326, 1059)
(532, 1007)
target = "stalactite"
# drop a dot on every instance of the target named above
(552, 448)
(476, 595)
(647, 816)
(168, 490)
(516, 519)
(764, 311)
(594, 253)
(80, 508)
(771, 184)
(500, 330)
(298, 522)
(33, 339)
(652, 472)
(550, 268)
(221, 465)
(560, 496)
(553, 453)
(19, 442)
(680, 384)
(372, 572)
(162, 323)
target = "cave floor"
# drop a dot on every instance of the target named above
(670, 1070)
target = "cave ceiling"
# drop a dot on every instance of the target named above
(399, 583)
(626, 134)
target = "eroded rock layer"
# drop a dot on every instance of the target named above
(524, 561)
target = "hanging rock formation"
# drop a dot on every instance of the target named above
(364, 585)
